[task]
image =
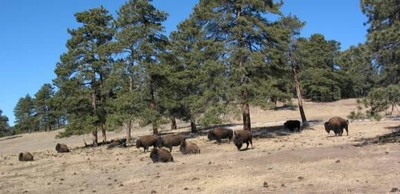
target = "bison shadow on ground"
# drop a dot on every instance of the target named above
(393, 137)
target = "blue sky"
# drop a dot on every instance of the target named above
(33, 34)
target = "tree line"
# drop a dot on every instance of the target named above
(223, 58)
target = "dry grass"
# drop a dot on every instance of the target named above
(307, 162)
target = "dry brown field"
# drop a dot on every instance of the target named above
(365, 161)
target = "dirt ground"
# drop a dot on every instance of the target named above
(365, 161)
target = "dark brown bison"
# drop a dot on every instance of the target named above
(242, 136)
(62, 148)
(220, 133)
(170, 140)
(189, 148)
(161, 155)
(292, 125)
(147, 141)
(25, 156)
(117, 143)
(337, 124)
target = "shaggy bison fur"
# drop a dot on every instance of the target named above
(147, 141)
(292, 125)
(220, 133)
(62, 148)
(243, 136)
(170, 140)
(189, 148)
(161, 155)
(25, 156)
(337, 124)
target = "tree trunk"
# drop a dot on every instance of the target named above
(94, 133)
(128, 132)
(152, 107)
(94, 109)
(246, 111)
(299, 98)
(193, 125)
(104, 134)
(173, 123)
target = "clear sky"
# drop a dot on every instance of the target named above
(33, 34)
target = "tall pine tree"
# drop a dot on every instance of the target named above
(141, 42)
(384, 37)
(82, 72)
(248, 40)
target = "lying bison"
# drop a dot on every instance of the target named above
(242, 136)
(292, 125)
(161, 155)
(62, 148)
(189, 148)
(147, 141)
(170, 140)
(25, 156)
(117, 143)
(336, 124)
(220, 133)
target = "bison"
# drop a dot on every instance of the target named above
(117, 143)
(25, 156)
(292, 125)
(220, 133)
(62, 148)
(336, 124)
(189, 148)
(161, 155)
(147, 141)
(170, 140)
(242, 136)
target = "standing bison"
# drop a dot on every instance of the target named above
(25, 156)
(189, 148)
(62, 148)
(170, 140)
(147, 141)
(220, 133)
(243, 136)
(337, 124)
(161, 155)
(292, 125)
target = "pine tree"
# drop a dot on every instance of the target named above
(249, 41)
(197, 76)
(384, 37)
(43, 107)
(318, 73)
(358, 72)
(83, 71)
(25, 115)
(141, 41)
(4, 126)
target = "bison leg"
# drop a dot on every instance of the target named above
(219, 141)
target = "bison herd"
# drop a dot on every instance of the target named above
(160, 154)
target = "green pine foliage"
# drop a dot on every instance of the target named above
(25, 115)
(319, 75)
(44, 110)
(384, 37)
(83, 71)
(141, 42)
(4, 126)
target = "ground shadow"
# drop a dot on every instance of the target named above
(10, 137)
(286, 107)
(393, 137)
